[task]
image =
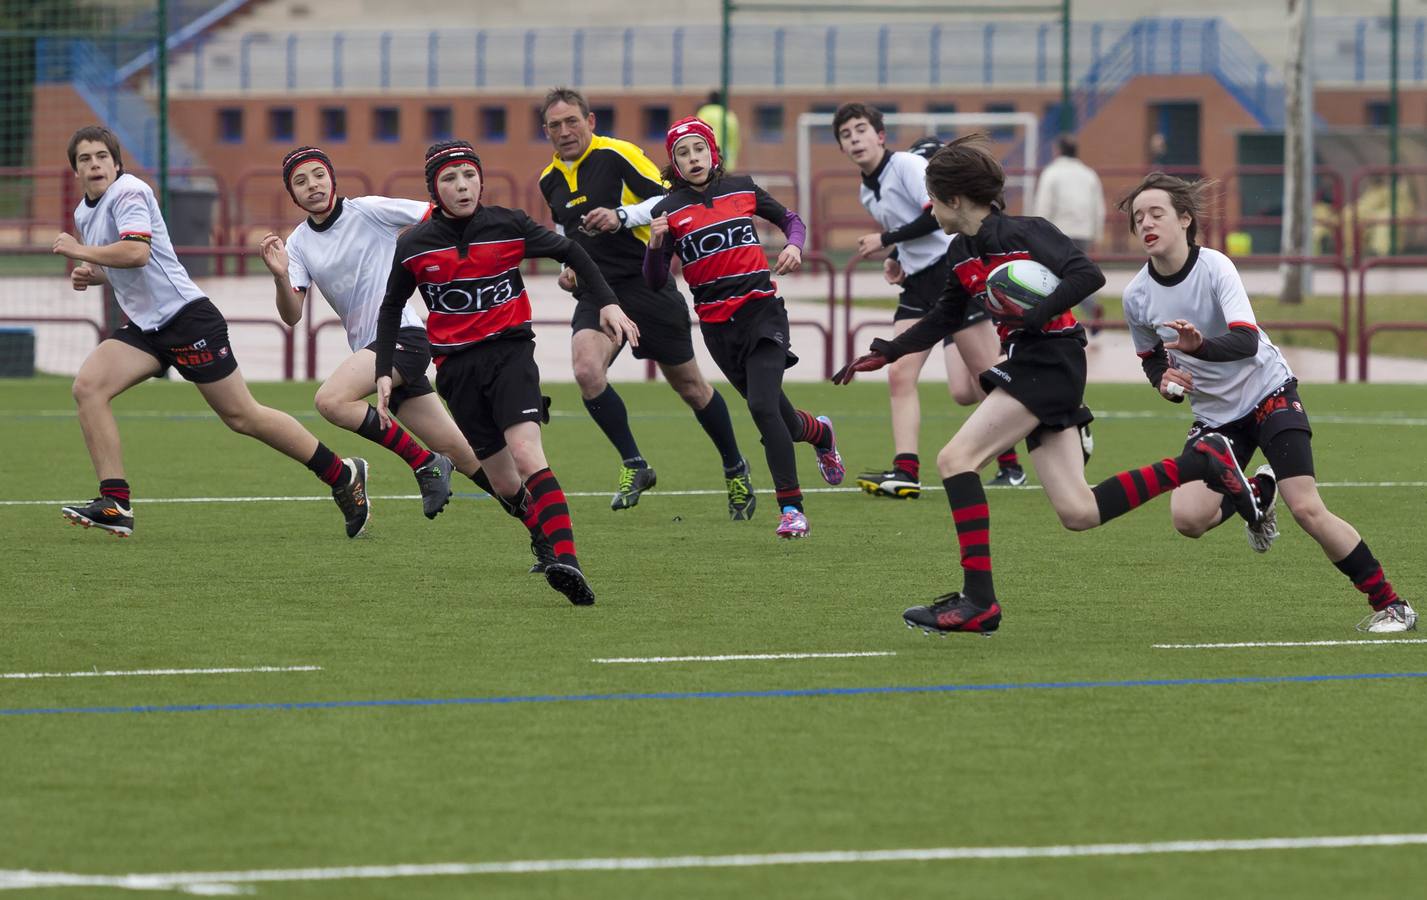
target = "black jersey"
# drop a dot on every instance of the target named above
(468, 271)
(1000, 239)
(611, 173)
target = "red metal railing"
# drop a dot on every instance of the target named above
(1367, 332)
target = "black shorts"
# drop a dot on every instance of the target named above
(665, 334)
(920, 292)
(730, 342)
(1278, 426)
(195, 342)
(412, 356)
(1047, 375)
(490, 387)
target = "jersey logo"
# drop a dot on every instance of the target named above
(473, 295)
(716, 238)
(433, 268)
(576, 201)
(684, 221)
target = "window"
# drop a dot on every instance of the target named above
(492, 120)
(280, 124)
(945, 132)
(1378, 113)
(824, 135)
(604, 119)
(386, 124)
(768, 122)
(230, 125)
(438, 123)
(1001, 132)
(656, 122)
(334, 123)
(539, 121)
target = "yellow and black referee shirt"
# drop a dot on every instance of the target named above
(610, 174)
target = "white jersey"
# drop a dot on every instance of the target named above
(349, 258)
(899, 199)
(151, 294)
(1209, 294)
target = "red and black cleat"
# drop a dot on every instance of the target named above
(1226, 476)
(954, 612)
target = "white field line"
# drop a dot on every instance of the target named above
(719, 492)
(1375, 642)
(95, 673)
(227, 882)
(743, 656)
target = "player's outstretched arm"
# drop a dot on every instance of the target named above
(289, 300)
(658, 254)
(125, 253)
(400, 285)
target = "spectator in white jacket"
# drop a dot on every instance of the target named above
(1070, 196)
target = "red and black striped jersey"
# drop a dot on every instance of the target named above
(468, 272)
(1000, 239)
(714, 234)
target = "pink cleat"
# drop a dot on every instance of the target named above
(792, 524)
(829, 460)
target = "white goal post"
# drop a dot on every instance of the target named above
(929, 122)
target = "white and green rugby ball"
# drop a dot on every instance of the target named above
(1014, 287)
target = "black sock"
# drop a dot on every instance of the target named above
(790, 496)
(719, 427)
(116, 489)
(972, 519)
(329, 467)
(613, 419)
(1366, 575)
(1132, 488)
(909, 463)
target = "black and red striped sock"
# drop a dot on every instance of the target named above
(1132, 488)
(909, 463)
(790, 496)
(395, 439)
(1366, 575)
(116, 489)
(1009, 460)
(972, 518)
(812, 431)
(328, 466)
(548, 511)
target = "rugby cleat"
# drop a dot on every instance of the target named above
(632, 483)
(1394, 618)
(1263, 533)
(792, 524)
(954, 612)
(434, 480)
(1226, 476)
(741, 501)
(829, 460)
(570, 581)
(104, 513)
(351, 497)
(896, 483)
(544, 554)
(1008, 476)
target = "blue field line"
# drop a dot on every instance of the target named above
(706, 695)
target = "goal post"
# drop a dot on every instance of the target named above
(1025, 145)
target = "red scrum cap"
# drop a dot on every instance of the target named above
(691, 126)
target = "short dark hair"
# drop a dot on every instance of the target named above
(715, 97)
(1185, 196)
(849, 111)
(100, 134)
(563, 94)
(967, 168)
(1067, 145)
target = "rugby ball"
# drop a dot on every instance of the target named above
(1014, 287)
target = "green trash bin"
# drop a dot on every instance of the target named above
(17, 352)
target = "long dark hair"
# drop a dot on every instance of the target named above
(967, 168)
(1191, 197)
